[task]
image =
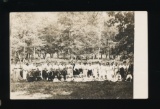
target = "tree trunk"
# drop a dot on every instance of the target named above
(99, 52)
(44, 55)
(51, 54)
(19, 57)
(39, 54)
(58, 55)
(24, 51)
(101, 55)
(34, 52)
(63, 54)
(15, 55)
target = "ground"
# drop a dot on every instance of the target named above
(71, 90)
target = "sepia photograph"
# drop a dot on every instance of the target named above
(72, 55)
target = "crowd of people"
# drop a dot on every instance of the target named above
(78, 72)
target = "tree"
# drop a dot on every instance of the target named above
(124, 21)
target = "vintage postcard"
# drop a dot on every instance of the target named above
(78, 55)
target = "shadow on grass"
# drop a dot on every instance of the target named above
(77, 90)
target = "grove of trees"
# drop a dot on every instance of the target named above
(71, 34)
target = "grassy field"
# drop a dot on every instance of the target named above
(71, 90)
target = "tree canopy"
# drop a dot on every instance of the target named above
(68, 34)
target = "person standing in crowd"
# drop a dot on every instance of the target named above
(33, 71)
(62, 71)
(116, 68)
(112, 71)
(50, 74)
(76, 69)
(38, 73)
(58, 71)
(109, 69)
(90, 70)
(18, 74)
(54, 71)
(16, 71)
(122, 71)
(102, 72)
(70, 70)
(80, 69)
(44, 71)
(85, 70)
(131, 68)
(25, 71)
(12, 71)
(48, 70)
(30, 74)
(21, 70)
(95, 71)
(125, 66)
(130, 72)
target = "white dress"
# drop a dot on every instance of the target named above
(25, 71)
(111, 73)
(95, 71)
(70, 70)
(115, 70)
(85, 70)
(102, 71)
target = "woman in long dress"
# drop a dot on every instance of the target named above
(25, 71)
(17, 72)
(111, 72)
(70, 70)
(103, 73)
(95, 71)
(116, 69)
(108, 72)
(14, 72)
(85, 70)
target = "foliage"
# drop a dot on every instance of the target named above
(71, 33)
